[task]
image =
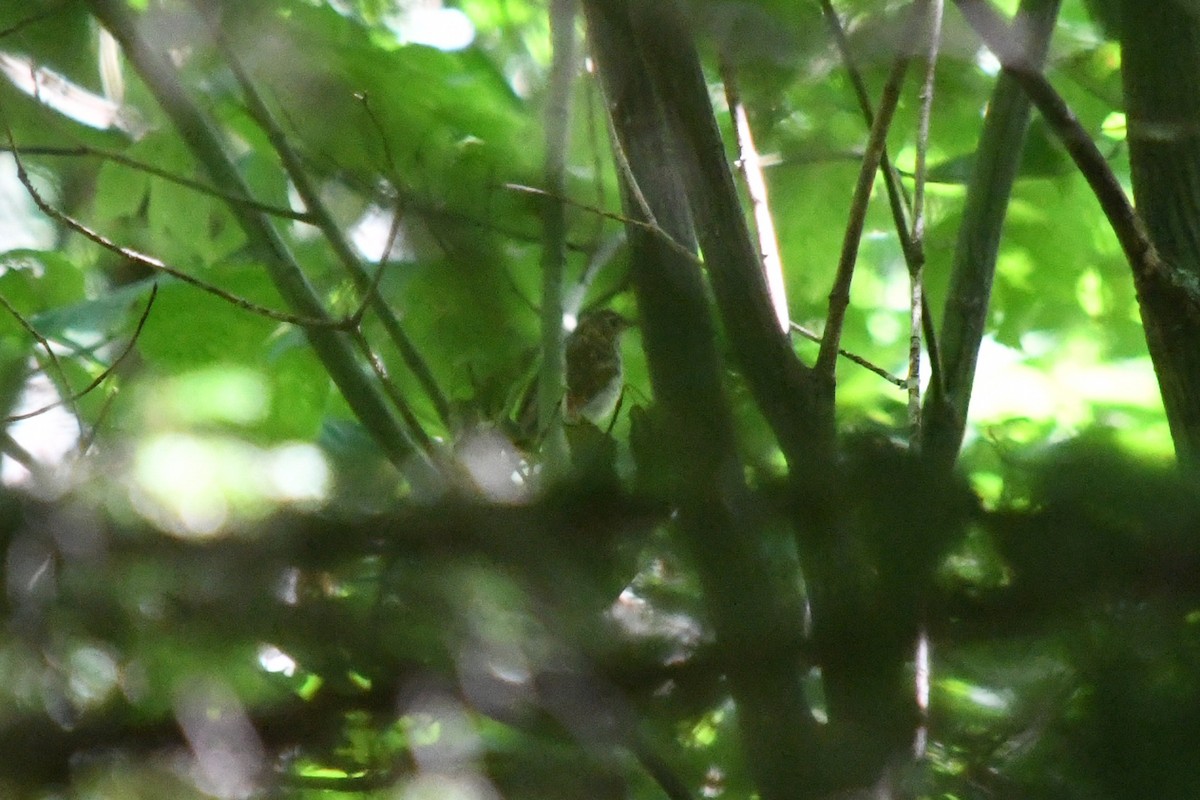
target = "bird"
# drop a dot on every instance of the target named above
(595, 369)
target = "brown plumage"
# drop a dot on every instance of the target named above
(594, 371)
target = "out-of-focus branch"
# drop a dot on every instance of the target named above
(324, 221)
(796, 402)
(336, 353)
(839, 295)
(552, 380)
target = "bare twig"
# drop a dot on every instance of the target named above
(44, 343)
(87, 151)
(595, 103)
(393, 392)
(626, 171)
(650, 227)
(385, 144)
(321, 217)
(1131, 231)
(364, 347)
(99, 379)
(373, 289)
(30, 20)
(898, 200)
(862, 362)
(839, 296)
(600, 256)
(154, 264)
(917, 274)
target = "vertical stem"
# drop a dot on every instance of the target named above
(898, 201)
(1160, 69)
(551, 382)
(997, 162)
(757, 620)
(917, 273)
(839, 295)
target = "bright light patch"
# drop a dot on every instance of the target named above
(987, 62)
(274, 660)
(297, 473)
(21, 224)
(48, 438)
(494, 465)
(70, 99)
(1089, 291)
(370, 236)
(884, 327)
(981, 697)
(443, 28)
(92, 675)
(193, 486)
(1114, 126)
(228, 755)
(188, 484)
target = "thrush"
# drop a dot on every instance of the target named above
(595, 373)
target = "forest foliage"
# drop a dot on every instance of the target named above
(279, 286)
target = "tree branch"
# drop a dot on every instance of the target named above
(328, 226)
(898, 201)
(797, 404)
(839, 295)
(197, 132)
(552, 380)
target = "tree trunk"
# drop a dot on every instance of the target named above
(1160, 44)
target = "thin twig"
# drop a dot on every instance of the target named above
(141, 259)
(626, 174)
(88, 437)
(595, 102)
(1131, 231)
(839, 296)
(44, 343)
(87, 151)
(916, 307)
(294, 167)
(389, 386)
(385, 144)
(862, 362)
(373, 289)
(154, 264)
(650, 227)
(393, 392)
(602, 255)
(917, 275)
(30, 20)
(99, 379)
(898, 200)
